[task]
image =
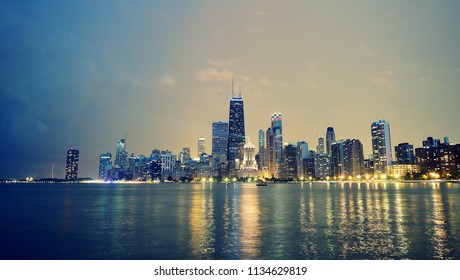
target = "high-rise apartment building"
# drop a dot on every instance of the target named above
(330, 138)
(201, 146)
(71, 167)
(381, 146)
(277, 130)
(404, 153)
(236, 134)
(105, 164)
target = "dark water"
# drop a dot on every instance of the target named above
(242, 221)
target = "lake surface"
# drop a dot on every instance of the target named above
(234, 221)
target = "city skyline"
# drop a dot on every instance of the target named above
(163, 77)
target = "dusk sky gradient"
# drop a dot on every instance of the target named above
(83, 74)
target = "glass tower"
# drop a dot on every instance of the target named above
(330, 138)
(121, 158)
(105, 164)
(277, 130)
(219, 140)
(236, 134)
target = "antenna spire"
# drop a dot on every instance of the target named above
(239, 88)
(232, 89)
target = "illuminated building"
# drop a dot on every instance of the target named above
(201, 146)
(236, 134)
(322, 166)
(277, 130)
(270, 153)
(261, 151)
(219, 140)
(401, 170)
(404, 154)
(248, 166)
(381, 146)
(71, 167)
(105, 164)
(347, 158)
(290, 162)
(121, 157)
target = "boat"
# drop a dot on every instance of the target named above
(262, 184)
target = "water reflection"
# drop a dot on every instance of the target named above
(234, 221)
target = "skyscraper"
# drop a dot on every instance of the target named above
(270, 153)
(330, 138)
(236, 133)
(261, 151)
(219, 140)
(381, 146)
(121, 157)
(71, 167)
(105, 164)
(201, 146)
(290, 162)
(277, 130)
(320, 147)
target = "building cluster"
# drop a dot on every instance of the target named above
(234, 156)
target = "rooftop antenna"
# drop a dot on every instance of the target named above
(52, 170)
(232, 89)
(239, 88)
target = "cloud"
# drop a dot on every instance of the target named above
(213, 74)
(285, 85)
(384, 79)
(223, 62)
(252, 29)
(265, 81)
(166, 80)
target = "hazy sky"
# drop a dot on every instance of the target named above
(83, 74)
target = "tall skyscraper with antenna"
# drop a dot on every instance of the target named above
(236, 133)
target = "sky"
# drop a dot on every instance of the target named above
(83, 74)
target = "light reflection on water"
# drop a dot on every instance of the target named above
(233, 221)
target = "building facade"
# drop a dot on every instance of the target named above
(236, 134)
(381, 146)
(71, 167)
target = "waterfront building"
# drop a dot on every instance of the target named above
(121, 156)
(236, 134)
(261, 150)
(167, 164)
(381, 146)
(347, 158)
(330, 138)
(248, 168)
(404, 153)
(302, 154)
(105, 164)
(71, 167)
(290, 162)
(219, 140)
(322, 166)
(201, 146)
(277, 130)
(400, 170)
